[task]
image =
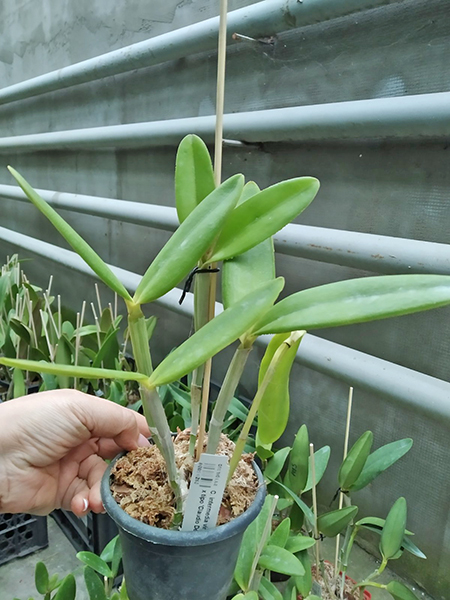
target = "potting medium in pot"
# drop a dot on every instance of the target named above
(165, 564)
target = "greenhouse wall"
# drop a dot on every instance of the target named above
(372, 122)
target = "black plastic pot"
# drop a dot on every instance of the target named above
(179, 565)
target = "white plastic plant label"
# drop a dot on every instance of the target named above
(205, 493)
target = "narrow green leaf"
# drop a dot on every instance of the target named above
(394, 529)
(72, 237)
(41, 578)
(334, 522)
(280, 536)
(298, 543)
(298, 465)
(410, 547)
(280, 560)
(268, 591)
(108, 351)
(321, 458)
(356, 301)
(189, 242)
(380, 460)
(298, 501)
(276, 463)
(19, 389)
(194, 175)
(94, 585)
(72, 371)
(217, 334)
(95, 562)
(262, 215)
(67, 590)
(63, 356)
(353, 464)
(399, 591)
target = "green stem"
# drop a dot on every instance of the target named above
(151, 402)
(240, 444)
(226, 394)
(376, 573)
(196, 400)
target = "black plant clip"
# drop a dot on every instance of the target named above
(190, 279)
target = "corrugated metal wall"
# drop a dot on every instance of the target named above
(382, 164)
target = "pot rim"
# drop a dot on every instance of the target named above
(180, 538)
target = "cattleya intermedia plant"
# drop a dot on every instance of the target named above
(232, 224)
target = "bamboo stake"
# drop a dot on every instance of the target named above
(218, 139)
(49, 310)
(77, 338)
(314, 498)
(50, 282)
(97, 293)
(59, 316)
(44, 327)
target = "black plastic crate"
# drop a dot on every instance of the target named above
(91, 532)
(20, 535)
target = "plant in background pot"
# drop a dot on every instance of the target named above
(232, 224)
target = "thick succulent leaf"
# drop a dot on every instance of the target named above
(298, 543)
(189, 242)
(304, 582)
(334, 522)
(249, 545)
(321, 458)
(248, 596)
(356, 301)
(41, 578)
(19, 389)
(94, 585)
(298, 501)
(276, 463)
(67, 590)
(280, 560)
(194, 175)
(273, 412)
(262, 215)
(71, 371)
(95, 562)
(298, 465)
(355, 460)
(217, 334)
(280, 536)
(394, 529)
(81, 247)
(268, 591)
(380, 460)
(399, 591)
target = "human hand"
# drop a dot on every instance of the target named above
(52, 446)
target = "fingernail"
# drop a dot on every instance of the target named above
(85, 504)
(143, 441)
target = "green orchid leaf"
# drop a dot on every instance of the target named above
(321, 458)
(150, 324)
(21, 330)
(71, 371)
(71, 236)
(298, 543)
(248, 596)
(94, 585)
(376, 525)
(67, 590)
(410, 547)
(95, 562)
(108, 352)
(280, 536)
(399, 591)
(268, 591)
(194, 175)
(249, 545)
(41, 578)
(262, 215)
(276, 463)
(356, 301)
(334, 522)
(189, 242)
(379, 461)
(298, 465)
(18, 380)
(123, 591)
(217, 334)
(355, 460)
(63, 356)
(290, 591)
(108, 551)
(280, 560)
(298, 501)
(303, 583)
(394, 529)
(273, 412)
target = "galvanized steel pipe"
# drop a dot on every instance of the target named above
(261, 19)
(426, 395)
(377, 253)
(418, 117)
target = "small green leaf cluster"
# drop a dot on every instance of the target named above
(52, 587)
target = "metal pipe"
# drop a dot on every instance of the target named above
(376, 253)
(424, 394)
(399, 118)
(258, 20)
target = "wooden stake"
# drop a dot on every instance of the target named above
(97, 292)
(49, 288)
(341, 495)
(314, 498)
(44, 327)
(59, 316)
